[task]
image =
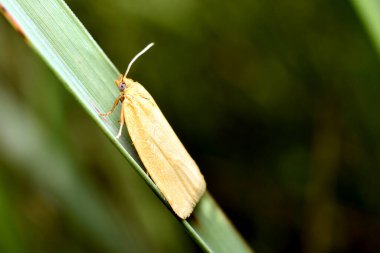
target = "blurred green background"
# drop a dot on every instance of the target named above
(276, 101)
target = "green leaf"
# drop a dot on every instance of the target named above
(60, 39)
(368, 10)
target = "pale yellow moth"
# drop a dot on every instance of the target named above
(162, 153)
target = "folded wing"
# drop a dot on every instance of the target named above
(162, 153)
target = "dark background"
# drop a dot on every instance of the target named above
(277, 101)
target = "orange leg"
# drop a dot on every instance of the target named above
(113, 107)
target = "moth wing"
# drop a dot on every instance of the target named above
(162, 153)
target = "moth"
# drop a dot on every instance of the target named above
(165, 158)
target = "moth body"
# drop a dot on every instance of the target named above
(165, 158)
(162, 153)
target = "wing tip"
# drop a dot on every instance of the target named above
(184, 212)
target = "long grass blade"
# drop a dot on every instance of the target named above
(60, 39)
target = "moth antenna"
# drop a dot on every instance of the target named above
(137, 56)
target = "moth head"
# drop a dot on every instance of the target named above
(122, 83)
(122, 86)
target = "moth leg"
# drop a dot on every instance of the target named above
(113, 106)
(121, 121)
